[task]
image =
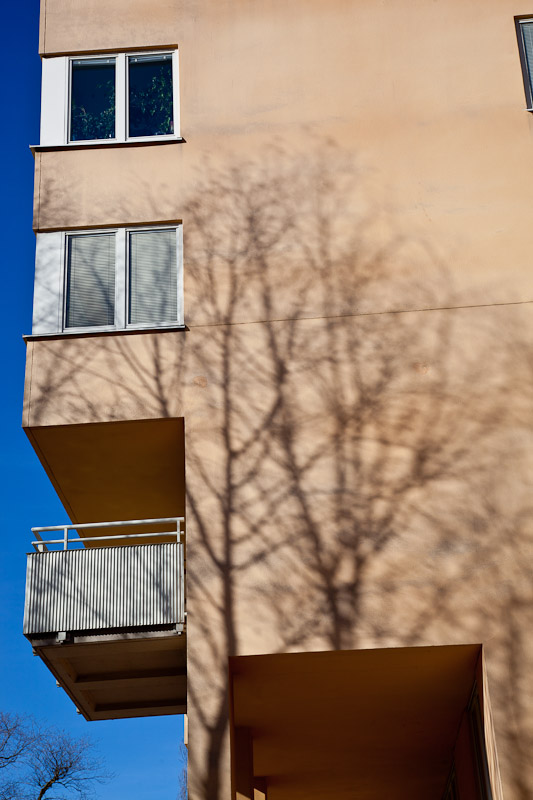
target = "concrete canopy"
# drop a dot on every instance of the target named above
(108, 471)
(364, 725)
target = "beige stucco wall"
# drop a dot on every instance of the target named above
(352, 483)
(355, 477)
(424, 100)
(95, 25)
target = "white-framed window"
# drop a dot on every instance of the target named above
(110, 98)
(524, 30)
(109, 279)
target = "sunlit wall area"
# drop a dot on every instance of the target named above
(283, 290)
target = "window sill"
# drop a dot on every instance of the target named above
(35, 337)
(103, 144)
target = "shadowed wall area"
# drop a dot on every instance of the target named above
(355, 723)
(357, 449)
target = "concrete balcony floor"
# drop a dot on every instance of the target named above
(113, 676)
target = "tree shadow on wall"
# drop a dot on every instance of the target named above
(350, 480)
(356, 462)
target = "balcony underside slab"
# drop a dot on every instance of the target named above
(120, 675)
(115, 470)
(369, 724)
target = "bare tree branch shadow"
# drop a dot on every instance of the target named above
(356, 462)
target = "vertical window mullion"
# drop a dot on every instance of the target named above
(179, 281)
(69, 103)
(120, 278)
(63, 283)
(66, 110)
(121, 101)
(176, 92)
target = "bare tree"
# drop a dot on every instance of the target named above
(60, 766)
(10, 790)
(45, 762)
(182, 779)
(17, 735)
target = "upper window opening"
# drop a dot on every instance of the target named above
(150, 101)
(525, 44)
(92, 108)
(119, 98)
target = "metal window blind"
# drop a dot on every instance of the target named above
(90, 280)
(527, 38)
(152, 277)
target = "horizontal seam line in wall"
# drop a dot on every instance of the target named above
(363, 314)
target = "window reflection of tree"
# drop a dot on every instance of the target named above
(150, 109)
(86, 124)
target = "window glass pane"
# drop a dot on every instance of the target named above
(90, 285)
(527, 36)
(92, 102)
(152, 277)
(150, 95)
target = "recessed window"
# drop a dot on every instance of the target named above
(524, 29)
(108, 280)
(110, 98)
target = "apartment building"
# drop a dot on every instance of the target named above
(282, 322)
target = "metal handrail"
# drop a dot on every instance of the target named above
(41, 545)
(73, 526)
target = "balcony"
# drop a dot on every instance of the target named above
(399, 722)
(108, 620)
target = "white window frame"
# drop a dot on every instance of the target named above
(52, 268)
(56, 95)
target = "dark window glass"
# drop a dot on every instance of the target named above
(150, 95)
(527, 56)
(92, 106)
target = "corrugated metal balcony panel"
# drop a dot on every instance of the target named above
(100, 588)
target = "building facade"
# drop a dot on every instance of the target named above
(283, 306)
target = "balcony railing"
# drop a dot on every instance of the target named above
(106, 588)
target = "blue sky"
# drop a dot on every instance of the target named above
(142, 753)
